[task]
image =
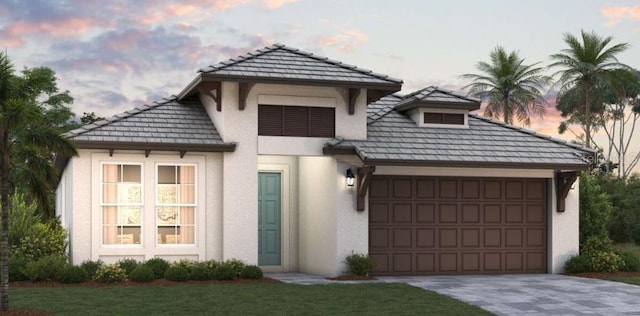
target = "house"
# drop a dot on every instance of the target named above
(293, 161)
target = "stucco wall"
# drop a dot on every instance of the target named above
(352, 229)
(564, 230)
(82, 177)
(317, 215)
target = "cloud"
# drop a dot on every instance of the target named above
(346, 42)
(274, 4)
(616, 14)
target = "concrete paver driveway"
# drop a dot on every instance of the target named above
(538, 294)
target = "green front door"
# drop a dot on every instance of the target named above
(269, 219)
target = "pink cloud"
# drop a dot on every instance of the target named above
(346, 42)
(615, 14)
(274, 4)
(14, 35)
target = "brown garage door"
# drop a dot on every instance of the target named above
(441, 225)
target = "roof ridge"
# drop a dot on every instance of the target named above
(532, 133)
(276, 46)
(118, 117)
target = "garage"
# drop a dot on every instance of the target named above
(449, 225)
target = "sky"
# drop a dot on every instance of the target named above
(115, 55)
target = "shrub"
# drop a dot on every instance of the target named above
(187, 264)
(72, 274)
(359, 264)
(46, 268)
(128, 265)
(91, 267)
(201, 272)
(177, 273)
(602, 255)
(595, 208)
(235, 265)
(141, 274)
(631, 261)
(251, 272)
(577, 264)
(16, 269)
(158, 265)
(224, 272)
(110, 273)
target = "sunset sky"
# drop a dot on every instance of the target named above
(114, 55)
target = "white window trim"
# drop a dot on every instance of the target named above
(101, 204)
(195, 205)
(418, 117)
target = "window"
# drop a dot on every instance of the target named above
(443, 118)
(121, 204)
(300, 121)
(176, 204)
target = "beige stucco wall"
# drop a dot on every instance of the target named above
(317, 215)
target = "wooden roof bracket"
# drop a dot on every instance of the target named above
(353, 96)
(146, 153)
(243, 91)
(214, 90)
(564, 182)
(364, 180)
(182, 153)
(111, 152)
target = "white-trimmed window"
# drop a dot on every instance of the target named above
(176, 204)
(121, 204)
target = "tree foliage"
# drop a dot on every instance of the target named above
(511, 87)
(582, 66)
(31, 120)
(595, 208)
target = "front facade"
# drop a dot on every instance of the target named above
(250, 161)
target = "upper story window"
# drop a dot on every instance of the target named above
(444, 118)
(300, 121)
(121, 204)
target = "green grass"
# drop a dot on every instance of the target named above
(245, 299)
(630, 280)
(630, 247)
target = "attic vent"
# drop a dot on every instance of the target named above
(443, 118)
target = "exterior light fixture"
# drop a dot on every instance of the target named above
(351, 178)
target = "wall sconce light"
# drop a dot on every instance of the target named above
(351, 178)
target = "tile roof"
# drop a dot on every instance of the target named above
(394, 137)
(167, 123)
(436, 95)
(281, 62)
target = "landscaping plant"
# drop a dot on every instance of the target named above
(72, 274)
(110, 273)
(141, 274)
(359, 264)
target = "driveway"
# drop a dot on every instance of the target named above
(537, 294)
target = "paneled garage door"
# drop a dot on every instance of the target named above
(440, 225)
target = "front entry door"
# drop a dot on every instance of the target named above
(269, 195)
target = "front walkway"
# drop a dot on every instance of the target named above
(536, 294)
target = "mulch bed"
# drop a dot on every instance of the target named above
(160, 282)
(352, 278)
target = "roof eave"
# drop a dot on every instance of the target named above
(224, 147)
(341, 150)
(432, 104)
(190, 87)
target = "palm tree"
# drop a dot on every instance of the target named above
(26, 141)
(512, 88)
(583, 64)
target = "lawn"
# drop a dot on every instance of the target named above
(245, 299)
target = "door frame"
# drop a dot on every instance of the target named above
(285, 254)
